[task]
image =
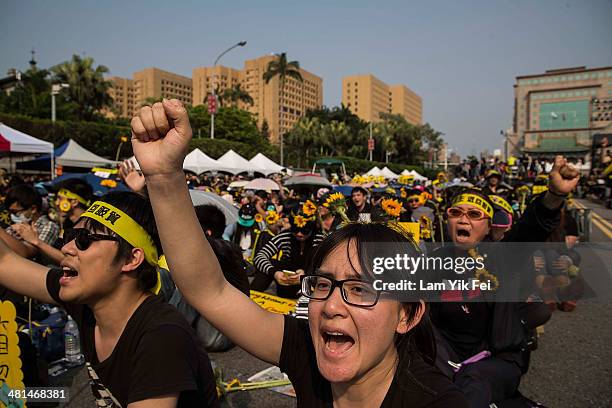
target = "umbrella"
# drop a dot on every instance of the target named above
(235, 185)
(199, 197)
(308, 180)
(94, 181)
(262, 184)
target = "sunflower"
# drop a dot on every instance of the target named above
(391, 206)
(309, 208)
(272, 217)
(108, 183)
(300, 221)
(258, 218)
(403, 193)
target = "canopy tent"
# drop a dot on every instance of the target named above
(234, 163)
(266, 165)
(374, 171)
(198, 162)
(98, 184)
(388, 174)
(70, 154)
(416, 175)
(14, 141)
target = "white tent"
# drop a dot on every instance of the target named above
(388, 174)
(416, 175)
(198, 162)
(266, 165)
(75, 155)
(14, 141)
(374, 171)
(235, 163)
(405, 172)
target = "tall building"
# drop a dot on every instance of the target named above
(129, 94)
(560, 110)
(279, 114)
(204, 78)
(124, 99)
(367, 97)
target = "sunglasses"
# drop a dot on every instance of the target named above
(83, 238)
(473, 214)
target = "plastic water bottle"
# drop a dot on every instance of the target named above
(72, 343)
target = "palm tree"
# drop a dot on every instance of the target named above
(87, 87)
(282, 69)
(237, 94)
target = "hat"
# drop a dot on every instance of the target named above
(493, 173)
(246, 215)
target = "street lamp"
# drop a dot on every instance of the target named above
(212, 86)
(55, 90)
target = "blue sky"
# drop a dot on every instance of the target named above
(461, 57)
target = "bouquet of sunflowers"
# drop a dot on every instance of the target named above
(337, 205)
(391, 207)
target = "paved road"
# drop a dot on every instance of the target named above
(573, 364)
(572, 367)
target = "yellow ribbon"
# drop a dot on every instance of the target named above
(124, 226)
(502, 203)
(72, 196)
(476, 201)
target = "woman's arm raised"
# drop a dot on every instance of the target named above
(160, 139)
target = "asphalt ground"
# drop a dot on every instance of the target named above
(572, 367)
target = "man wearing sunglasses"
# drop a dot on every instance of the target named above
(140, 351)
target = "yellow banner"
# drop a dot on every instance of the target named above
(413, 228)
(273, 303)
(11, 377)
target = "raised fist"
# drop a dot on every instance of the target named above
(160, 137)
(563, 177)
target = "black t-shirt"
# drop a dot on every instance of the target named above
(417, 385)
(157, 354)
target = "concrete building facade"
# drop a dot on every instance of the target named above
(367, 97)
(560, 110)
(129, 94)
(280, 109)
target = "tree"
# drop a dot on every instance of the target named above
(31, 96)
(88, 90)
(282, 69)
(231, 123)
(237, 94)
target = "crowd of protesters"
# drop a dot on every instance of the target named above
(144, 317)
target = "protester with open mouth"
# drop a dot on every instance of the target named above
(360, 349)
(140, 352)
(469, 323)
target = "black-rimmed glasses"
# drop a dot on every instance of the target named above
(83, 237)
(354, 291)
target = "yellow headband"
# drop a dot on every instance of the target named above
(413, 196)
(476, 201)
(124, 226)
(71, 196)
(502, 203)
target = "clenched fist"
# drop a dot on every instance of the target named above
(563, 177)
(160, 137)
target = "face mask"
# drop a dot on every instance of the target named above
(19, 219)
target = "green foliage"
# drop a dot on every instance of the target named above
(88, 90)
(231, 123)
(338, 132)
(31, 96)
(100, 138)
(237, 94)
